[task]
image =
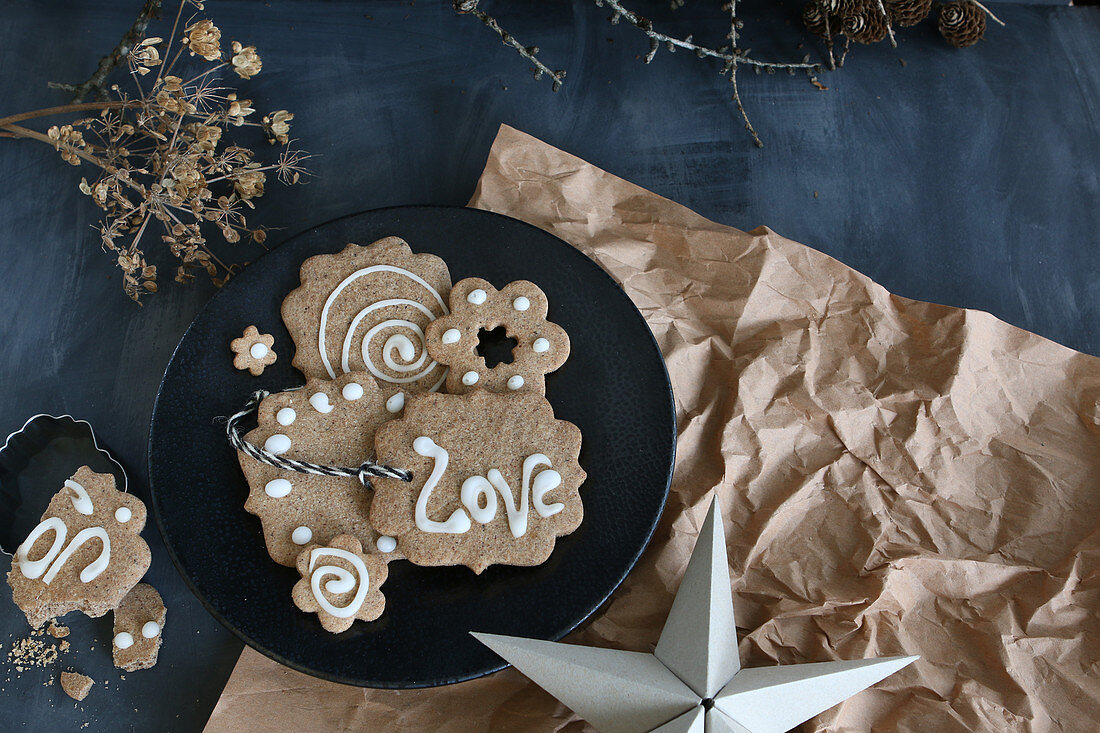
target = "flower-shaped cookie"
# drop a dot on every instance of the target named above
(253, 351)
(340, 583)
(478, 308)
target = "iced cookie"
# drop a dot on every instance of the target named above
(365, 309)
(495, 479)
(340, 583)
(254, 351)
(76, 685)
(458, 340)
(86, 553)
(327, 422)
(139, 621)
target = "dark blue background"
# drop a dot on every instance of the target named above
(964, 177)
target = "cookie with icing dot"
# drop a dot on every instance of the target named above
(478, 310)
(496, 479)
(340, 583)
(254, 351)
(86, 553)
(365, 309)
(139, 623)
(330, 422)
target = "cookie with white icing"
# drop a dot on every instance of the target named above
(340, 583)
(86, 553)
(496, 479)
(366, 309)
(477, 308)
(327, 422)
(139, 621)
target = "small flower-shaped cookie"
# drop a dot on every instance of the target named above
(340, 583)
(253, 351)
(477, 307)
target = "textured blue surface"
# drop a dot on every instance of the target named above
(964, 177)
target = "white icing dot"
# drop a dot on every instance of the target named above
(277, 488)
(123, 514)
(124, 640)
(319, 401)
(395, 403)
(451, 335)
(386, 543)
(470, 378)
(521, 303)
(352, 391)
(301, 535)
(258, 350)
(277, 444)
(477, 297)
(150, 629)
(286, 416)
(540, 345)
(515, 382)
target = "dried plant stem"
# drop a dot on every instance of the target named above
(988, 12)
(63, 109)
(469, 7)
(97, 83)
(889, 25)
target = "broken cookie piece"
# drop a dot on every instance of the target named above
(139, 621)
(76, 685)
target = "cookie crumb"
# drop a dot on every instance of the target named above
(76, 685)
(64, 646)
(57, 631)
(29, 652)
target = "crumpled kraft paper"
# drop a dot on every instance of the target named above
(897, 478)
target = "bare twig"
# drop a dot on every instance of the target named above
(469, 7)
(97, 83)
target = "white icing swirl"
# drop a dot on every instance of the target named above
(92, 570)
(34, 568)
(402, 344)
(343, 581)
(81, 501)
(52, 562)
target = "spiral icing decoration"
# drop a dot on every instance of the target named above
(336, 580)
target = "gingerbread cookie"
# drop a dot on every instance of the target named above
(340, 583)
(76, 685)
(365, 309)
(139, 621)
(86, 553)
(478, 308)
(495, 479)
(327, 422)
(253, 351)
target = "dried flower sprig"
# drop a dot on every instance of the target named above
(163, 156)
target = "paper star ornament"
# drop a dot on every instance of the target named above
(693, 681)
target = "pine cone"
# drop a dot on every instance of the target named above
(816, 19)
(962, 23)
(866, 23)
(904, 13)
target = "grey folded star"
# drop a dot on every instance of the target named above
(693, 681)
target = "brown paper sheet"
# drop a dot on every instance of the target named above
(897, 478)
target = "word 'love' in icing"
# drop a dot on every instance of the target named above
(480, 499)
(343, 580)
(399, 343)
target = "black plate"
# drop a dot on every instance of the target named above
(614, 387)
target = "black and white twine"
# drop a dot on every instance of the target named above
(364, 472)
